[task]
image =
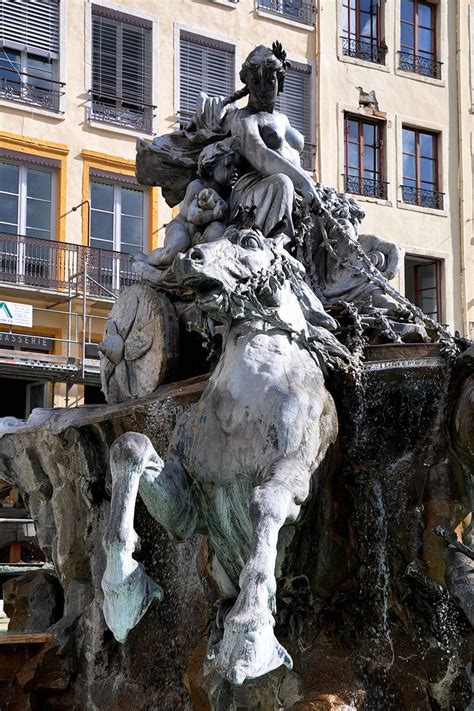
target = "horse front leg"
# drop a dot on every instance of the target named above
(249, 648)
(137, 468)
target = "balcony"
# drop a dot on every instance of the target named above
(118, 111)
(365, 186)
(297, 10)
(420, 65)
(364, 49)
(46, 264)
(423, 198)
(23, 88)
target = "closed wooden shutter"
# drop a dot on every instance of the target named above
(205, 65)
(121, 59)
(295, 101)
(31, 26)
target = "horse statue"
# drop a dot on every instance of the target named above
(241, 460)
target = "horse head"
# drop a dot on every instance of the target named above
(245, 275)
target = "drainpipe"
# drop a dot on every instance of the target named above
(317, 40)
(462, 220)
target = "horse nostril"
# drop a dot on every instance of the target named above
(196, 255)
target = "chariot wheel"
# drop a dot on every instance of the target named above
(139, 350)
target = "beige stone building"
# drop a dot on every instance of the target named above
(80, 80)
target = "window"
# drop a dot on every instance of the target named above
(423, 284)
(361, 30)
(204, 65)
(26, 208)
(420, 169)
(418, 38)
(295, 102)
(363, 170)
(117, 224)
(121, 70)
(296, 10)
(29, 52)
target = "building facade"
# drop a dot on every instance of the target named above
(381, 89)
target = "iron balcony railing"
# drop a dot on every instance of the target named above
(29, 89)
(121, 112)
(423, 198)
(298, 10)
(47, 264)
(365, 186)
(364, 49)
(420, 65)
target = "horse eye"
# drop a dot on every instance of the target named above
(251, 243)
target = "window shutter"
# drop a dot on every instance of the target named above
(207, 66)
(295, 101)
(121, 59)
(31, 26)
(104, 56)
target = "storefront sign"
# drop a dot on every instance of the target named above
(16, 314)
(23, 342)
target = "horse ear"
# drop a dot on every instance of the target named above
(280, 241)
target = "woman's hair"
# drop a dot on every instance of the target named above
(209, 155)
(263, 56)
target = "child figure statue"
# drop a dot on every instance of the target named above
(203, 212)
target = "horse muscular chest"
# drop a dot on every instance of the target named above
(263, 403)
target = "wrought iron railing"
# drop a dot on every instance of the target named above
(364, 49)
(298, 10)
(32, 261)
(308, 157)
(29, 89)
(365, 186)
(121, 112)
(423, 198)
(420, 65)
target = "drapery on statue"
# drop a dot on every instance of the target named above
(241, 461)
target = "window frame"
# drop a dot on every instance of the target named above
(117, 186)
(99, 9)
(378, 48)
(424, 261)
(306, 70)
(380, 184)
(426, 65)
(214, 40)
(438, 195)
(23, 196)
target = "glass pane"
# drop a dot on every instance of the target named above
(409, 182)
(345, 19)
(353, 130)
(425, 41)
(102, 196)
(425, 15)
(353, 155)
(365, 25)
(132, 202)
(39, 71)
(369, 159)
(427, 170)
(407, 36)
(38, 214)
(42, 234)
(409, 167)
(11, 229)
(9, 208)
(408, 141)
(38, 184)
(9, 67)
(101, 243)
(369, 134)
(427, 145)
(407, 10)
(9, 178)
(426, 276)
(102, 225)
(132, 232)
(428, 304)
(425, 185)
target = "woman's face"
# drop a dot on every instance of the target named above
(262, 84)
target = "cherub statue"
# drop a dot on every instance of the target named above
(203, 213)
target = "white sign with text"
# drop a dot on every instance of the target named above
(16, 314)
